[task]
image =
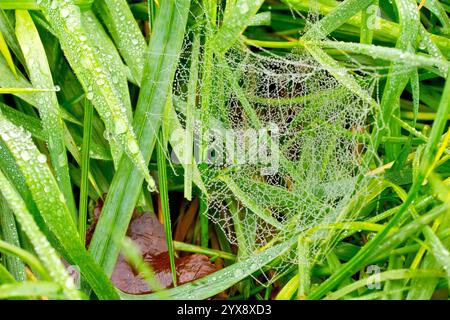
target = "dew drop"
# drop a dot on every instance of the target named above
(120, 126)
(133, 147)
(61, 159)
(90, 95)
(65, 12)
(238, 272)
(25, 155)
(244, 8)
(5, 136)
(42, 158)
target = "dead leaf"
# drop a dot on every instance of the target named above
(148, 234)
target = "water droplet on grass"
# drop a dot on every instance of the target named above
(120, 126)
(25, 155)
(65, 12)
(42, 158)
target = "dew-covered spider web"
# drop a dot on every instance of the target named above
(284, 145)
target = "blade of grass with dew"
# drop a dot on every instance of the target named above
(304, 268)
(239, 17)
(340, 73)
(52, 207)
(390, 54)
(109, 53)
(126, 34)
(221, 280)
(207, 76)
(41, 245)
(9, 233)
(190, 119)
(47, 103)
(398, 78)
(92, 69)
(161, 148)
(333, 20)
(164, 49)
(85, 160)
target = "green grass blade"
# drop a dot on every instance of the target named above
(5, 276)
(190, 119)
(30, 289)
(10, 235)
(47, 103)
(239, 17)
(26, 257)
(397, 77)
(125, 31)
(164, 194)
(439, 11)
(85, 150)
(337, 17)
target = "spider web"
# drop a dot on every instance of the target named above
(313, 166)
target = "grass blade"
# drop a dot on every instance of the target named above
(164, 194)
(47, 103)
(238, 18)
(30, 289)
(125, 31)
(10, 235)
(82, 215)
